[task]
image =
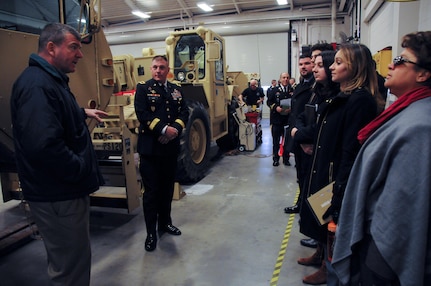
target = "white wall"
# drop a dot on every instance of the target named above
(424, 16)
(136, 49)
(265, 54)
(381, 29)
(393, 20)
(312, 32)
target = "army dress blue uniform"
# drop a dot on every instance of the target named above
(158, 106)
(277, 120)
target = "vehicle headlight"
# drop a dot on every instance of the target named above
(181, 76)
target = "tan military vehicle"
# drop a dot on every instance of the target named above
(197, 61)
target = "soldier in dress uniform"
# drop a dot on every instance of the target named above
(163, 114)
(279, 117)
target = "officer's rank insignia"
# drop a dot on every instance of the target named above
(176, 94)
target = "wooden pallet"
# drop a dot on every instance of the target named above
(17, 235)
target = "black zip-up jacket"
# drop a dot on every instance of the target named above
(54, 153)
(335, 148)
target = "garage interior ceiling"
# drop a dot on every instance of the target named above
(229, 17)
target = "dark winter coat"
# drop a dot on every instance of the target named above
(306, 121)
(55, 156)
(301, 95)
(335, 149)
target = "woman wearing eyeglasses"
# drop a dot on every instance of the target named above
(384, 230)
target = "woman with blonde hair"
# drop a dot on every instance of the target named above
(362, 73)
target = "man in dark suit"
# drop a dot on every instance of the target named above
(279, 117)
(163, 114)
(300, 98)
(301, 95)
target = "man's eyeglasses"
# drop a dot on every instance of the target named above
(400, 60)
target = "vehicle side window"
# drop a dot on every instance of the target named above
(31, 16)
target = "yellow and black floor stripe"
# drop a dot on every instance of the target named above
(283, 248)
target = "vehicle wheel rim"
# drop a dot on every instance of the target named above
(198, 141)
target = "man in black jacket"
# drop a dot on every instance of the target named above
(301, 95)
(56, 162)
(163, 114)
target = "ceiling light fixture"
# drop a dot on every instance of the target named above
(282, 2)
(204, 6)
(141, 14)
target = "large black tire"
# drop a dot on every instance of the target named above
(230, 141)
(193, 161)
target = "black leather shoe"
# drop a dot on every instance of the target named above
(292, 210)
(173, 230)
(275, 163)
(309, 242)
(150, 242)
(286, 163)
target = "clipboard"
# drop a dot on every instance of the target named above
(285, 104)
(320, 202)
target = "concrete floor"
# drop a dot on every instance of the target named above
(234, 233)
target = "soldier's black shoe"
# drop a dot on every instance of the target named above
(309, 242)
(151, 242)
(172, 230)
(292, 210)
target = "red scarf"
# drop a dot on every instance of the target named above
(402, 102)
